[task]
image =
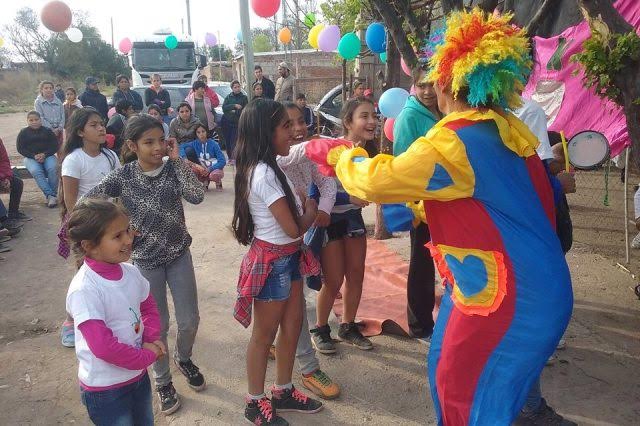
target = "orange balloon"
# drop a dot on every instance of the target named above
(56, 16)
(284, 35)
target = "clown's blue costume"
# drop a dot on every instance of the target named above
(489, 206)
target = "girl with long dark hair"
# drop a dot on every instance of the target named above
(270, 217)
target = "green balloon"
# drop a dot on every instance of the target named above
(310, 19)
(171, 42)
(349, 46)
(383, 57)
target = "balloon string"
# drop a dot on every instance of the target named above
(566, 151)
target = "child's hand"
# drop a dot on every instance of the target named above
(302, 195)
(358, 202)
(153, 348)
(161, 345)
(322, 219)
(172, 149)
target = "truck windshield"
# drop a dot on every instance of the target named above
(158, 58)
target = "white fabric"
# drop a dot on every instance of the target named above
(88, 170)
(265, 190)
(533, 116)
(117, 303)
(549, 95)
(636, 204)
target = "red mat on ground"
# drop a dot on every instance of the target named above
(383, 306)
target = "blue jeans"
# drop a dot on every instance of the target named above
(45, 174)
(125, 406)
(278, 284)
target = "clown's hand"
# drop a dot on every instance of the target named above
(326, 153)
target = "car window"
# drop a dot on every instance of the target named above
(177, 95)
(222, 91)
(337, 101)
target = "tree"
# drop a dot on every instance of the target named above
(342, 12)
(261, 43)
(29, 42)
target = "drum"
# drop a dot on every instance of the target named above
(588, 150)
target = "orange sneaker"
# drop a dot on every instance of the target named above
(321, 384)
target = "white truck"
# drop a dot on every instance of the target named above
(149, 56)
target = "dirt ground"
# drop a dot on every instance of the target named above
(596, 380)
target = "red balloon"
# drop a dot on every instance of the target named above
(56, 16)
(388, 128)
(265, 8)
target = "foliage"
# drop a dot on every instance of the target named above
(342, 12)
(92, 56)
(216, 53)
(261, 43)
(604, 55)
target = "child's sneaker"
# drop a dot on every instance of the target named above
(192, 373)
(322, 341)
(349, 333)
(284, 400)
(261, 412)
(321, 384)
(67, 334)
(169, 401)
(218, 186)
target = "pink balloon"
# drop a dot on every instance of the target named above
(265, 8)
(111, 111)
(125, 45)
(388, 128)
(210, 39)
(329, 38)
(405, 67)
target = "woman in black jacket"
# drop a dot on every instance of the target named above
(157, 95)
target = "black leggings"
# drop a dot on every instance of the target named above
(420, 284)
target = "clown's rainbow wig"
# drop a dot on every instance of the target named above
(484, 56)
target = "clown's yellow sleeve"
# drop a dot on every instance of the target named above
(435, 167)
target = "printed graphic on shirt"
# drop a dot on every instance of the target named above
(136, 327)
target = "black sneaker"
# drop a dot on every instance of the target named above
(322, 341)
(349, 332)
(169, 401)
(192, 373)
(261, 412)
(545, 416)
(21, 216)
(284, 400)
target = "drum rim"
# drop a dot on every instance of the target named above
(601, 162)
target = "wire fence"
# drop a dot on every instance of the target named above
(598, 212)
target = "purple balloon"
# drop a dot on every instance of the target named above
(329, 38)
(210, 39)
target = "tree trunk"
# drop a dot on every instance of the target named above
(394, 23)
(627, 79)
(451, 5)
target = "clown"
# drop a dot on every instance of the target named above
(489, 206)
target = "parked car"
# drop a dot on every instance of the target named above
(329, 112)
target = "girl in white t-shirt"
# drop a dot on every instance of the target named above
(85, 161)
(272, 218)
(116, 318)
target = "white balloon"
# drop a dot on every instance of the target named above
(74, 35)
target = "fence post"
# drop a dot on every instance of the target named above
(626, 206)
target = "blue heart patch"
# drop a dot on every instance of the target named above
(470, 274)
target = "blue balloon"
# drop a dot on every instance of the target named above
(392, 101)
(376, 37)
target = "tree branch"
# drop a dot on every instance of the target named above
(394, 24)
(451, 5)
(404, 7)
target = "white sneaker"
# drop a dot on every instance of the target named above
(52, 201)
(635, 243)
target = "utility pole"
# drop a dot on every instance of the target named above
(219, 57)
(285, 23)
(297, 21)
(188, 18)
(112, 43)
(247, 42)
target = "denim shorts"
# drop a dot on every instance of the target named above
(347, 224)
(278, 284)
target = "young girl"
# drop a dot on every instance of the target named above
(258, 90)
(50, 109)
(157, 95)
(269, 216)
(201, 105)
(152, 191)
(183, 127)
(154, 111)
(117, 122)
(202, 152)
(85, 161)
(344, 254)
(38, 145)
(232, 108)
(71, 103)
(117, 318)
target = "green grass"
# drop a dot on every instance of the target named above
(10, 109)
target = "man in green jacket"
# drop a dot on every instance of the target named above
(419, 114)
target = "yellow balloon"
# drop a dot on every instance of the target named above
(313, 35)
(284, 35)
(1, 42)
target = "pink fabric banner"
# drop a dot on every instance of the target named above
(568, 105)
